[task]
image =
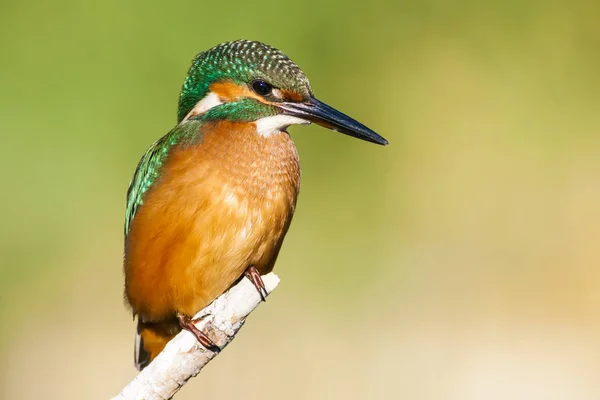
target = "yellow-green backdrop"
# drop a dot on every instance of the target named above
(460, 262)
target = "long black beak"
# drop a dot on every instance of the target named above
(320, 113)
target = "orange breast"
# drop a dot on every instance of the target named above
(219, 206)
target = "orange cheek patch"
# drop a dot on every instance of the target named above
(231, 91)
(289, 95)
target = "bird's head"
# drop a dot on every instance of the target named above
(253, 82)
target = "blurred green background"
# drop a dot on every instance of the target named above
(460, 262)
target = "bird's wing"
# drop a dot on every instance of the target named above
(145, 175)
(148, 169)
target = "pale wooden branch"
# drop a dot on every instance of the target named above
(184, 357)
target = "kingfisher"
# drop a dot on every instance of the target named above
(211, 201)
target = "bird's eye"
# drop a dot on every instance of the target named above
(262, 87)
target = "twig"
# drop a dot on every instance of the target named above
(184, 357)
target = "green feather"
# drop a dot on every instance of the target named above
(243, 110)
(241, 61)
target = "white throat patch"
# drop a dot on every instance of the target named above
(277, 123)
(209, 101)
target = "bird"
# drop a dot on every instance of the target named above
(211, 201)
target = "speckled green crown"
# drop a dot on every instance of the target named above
(241, 61)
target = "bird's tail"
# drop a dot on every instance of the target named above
(150, 339)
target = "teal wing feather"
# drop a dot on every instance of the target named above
(148, 169)
(145, 175)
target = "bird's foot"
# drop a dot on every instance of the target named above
(189, 325)
(254, 276)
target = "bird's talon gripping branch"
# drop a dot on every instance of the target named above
(189, 325)
(200, 319)
(254, 276)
